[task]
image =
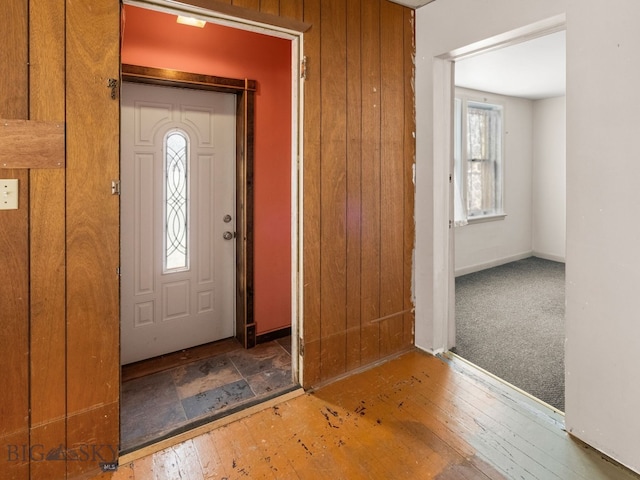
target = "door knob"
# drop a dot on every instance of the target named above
(228, 235)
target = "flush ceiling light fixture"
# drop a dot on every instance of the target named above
(194, 22)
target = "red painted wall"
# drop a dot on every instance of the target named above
(154, 39)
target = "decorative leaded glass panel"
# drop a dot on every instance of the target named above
(176, 205)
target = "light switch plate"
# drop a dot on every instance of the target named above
(8, 194)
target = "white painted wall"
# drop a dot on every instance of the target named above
(603, 247)
(487, 244)
(443, 27)
(549, 178)
(602, 252)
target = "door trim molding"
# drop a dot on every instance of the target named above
(226, 14)
(176, 78)
(244, 90)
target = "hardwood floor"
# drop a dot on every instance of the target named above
(416, 416)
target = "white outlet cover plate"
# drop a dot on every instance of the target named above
(9, 194)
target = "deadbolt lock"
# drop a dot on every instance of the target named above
(226, 218)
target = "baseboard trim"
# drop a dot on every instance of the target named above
(273, 335)
(493, 263)
(547, 256)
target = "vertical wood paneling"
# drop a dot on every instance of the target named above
(378, 101)
(357, 229)
(92, 35)
(14, 334)
(392, 178)
(48, 323)
(47, 225)
(92, 437)
(311, 200)
(370, 281)
(292, 9)
(92, 211)
(46, 60)
(252, 4)
(333, 188)
(270, 6)
(13, 59)
(354, 185)
(14, 259)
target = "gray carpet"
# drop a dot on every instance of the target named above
(510, 321)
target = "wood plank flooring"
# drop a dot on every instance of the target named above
(416, 416)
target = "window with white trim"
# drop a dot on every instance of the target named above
(478, 160)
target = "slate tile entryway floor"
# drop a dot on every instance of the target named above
(167, 402)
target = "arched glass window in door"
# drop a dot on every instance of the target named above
(176, 187)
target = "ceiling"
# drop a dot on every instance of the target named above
(534, 69)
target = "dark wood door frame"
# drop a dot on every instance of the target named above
(244, 90)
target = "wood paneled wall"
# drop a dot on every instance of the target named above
(60, 249)
(359, 149)
(93, 233)
(60, 310)
(47, 243)
(358, 190)
(14, 255)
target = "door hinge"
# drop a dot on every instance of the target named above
(303, 68)
(118, 270)
(450, 178)
(450, 223)
(300, 347)
(115, 187)
(112, 83)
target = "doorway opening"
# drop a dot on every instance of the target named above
(179, 217)
(507, 241)
(217, 373)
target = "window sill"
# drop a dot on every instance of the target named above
(486, 218)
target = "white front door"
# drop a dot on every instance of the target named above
(178, 200)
